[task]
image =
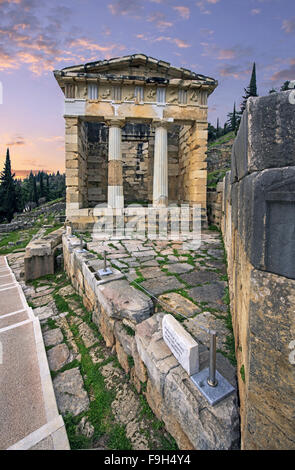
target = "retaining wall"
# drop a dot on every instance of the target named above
(258, 228)
(126, 319)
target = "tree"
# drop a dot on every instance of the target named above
(218, 130)
(211, 132)
(285, 86)
(251, 90)
(8, 193)
(234, 120)
(42, 192)
(35, 191)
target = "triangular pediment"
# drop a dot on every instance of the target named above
(137, 65)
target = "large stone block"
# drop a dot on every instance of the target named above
(266, 136)
(121, 300)
(263, 211)
(172, 394)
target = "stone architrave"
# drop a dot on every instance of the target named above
(181, 344)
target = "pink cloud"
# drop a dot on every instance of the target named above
(183, 11)
(289, 25)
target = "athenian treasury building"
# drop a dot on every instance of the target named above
(135, 132)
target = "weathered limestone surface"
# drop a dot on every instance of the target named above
(126, 321)
(258, 228)
(40, 255)
(205, 427)
(159, 170)
(70, 394)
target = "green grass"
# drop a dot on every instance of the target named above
(128, 330)
(15, 237)
(117, 438)
(77, 441)
(242, 372)
(223, 139)
(214, 177)
(61, 303)
(52, 229)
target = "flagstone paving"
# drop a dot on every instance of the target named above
(189, 283)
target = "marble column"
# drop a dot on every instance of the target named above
(160, 178)
(115, 166)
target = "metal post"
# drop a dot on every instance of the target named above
(105, 260)
(212, 381)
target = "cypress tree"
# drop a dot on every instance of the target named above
(31, 187)
(8, 193)
(251, 90)
(234, 120)
(35, 191)
(42, 193)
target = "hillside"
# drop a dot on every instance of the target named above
(219, 158)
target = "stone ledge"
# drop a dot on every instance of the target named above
(125, 319)
(205, 426)
(40, 253)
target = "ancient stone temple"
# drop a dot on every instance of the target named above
(136, 131)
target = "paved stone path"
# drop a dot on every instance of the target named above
(99, 404)
(85, 372)
(187, 279)
(29, 418)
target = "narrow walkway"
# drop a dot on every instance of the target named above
(29, 417)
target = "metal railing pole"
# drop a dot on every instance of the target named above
(105, 260)
(212, 364)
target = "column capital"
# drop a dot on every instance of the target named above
(113, 122)
(161, 123)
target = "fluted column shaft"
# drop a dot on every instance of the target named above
(115, 166)
(160, 179)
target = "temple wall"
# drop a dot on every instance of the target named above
(192, 182)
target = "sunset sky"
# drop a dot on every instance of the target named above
(218, 38)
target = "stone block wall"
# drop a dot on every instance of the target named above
(192, 181)
(214, 204)
(125, 317)
(76, 164)
(258, 228)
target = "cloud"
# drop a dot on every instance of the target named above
(289, 25)
(285, 74)
(179, 42)
(203, 8)
(125, 7)
(183, 11)
(52, 139)
(84, 43)
(16, 140)
(234, 71)
(206, 32)
(160, 21)
(216, 52)
(202, 4)
(182, 44)
(37, 37)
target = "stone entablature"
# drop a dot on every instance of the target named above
(142, 90)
